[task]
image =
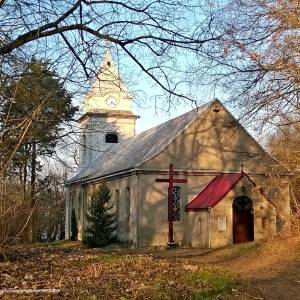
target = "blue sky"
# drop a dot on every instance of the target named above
(150, 103)
(148, 99)
(151, 116)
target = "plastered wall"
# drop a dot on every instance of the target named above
(214, 143)
(124, 201)
(153, 212)
(262, 209)
(94, 130)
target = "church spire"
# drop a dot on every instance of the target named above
(108, 64)
(108, 92)
(108, 117)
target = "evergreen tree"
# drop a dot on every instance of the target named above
(74, 227)
(100, 231)
(34, 110)
(39, 102)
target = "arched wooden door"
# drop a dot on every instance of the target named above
(243, 220)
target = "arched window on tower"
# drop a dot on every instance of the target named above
(111, 138)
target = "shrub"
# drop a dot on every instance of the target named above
(101, 228)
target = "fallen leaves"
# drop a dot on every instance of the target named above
(92, 273)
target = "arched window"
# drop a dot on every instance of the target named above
(79, 207)
(84, 146)
(111, 138)
(117, 203)
(243, 203)
(126, 214)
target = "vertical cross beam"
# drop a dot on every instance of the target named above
(170, 204)
(171, 182)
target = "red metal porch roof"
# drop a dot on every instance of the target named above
(215, 191)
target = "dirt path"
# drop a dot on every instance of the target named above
(274, 269)
(268, 270)
(285, 285)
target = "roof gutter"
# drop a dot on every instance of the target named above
(165, 171)
(111, 176)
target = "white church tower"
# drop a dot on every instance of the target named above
(108, 116)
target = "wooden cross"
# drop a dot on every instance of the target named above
(242, 167)
(171, 182)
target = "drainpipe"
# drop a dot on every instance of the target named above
(209, 228)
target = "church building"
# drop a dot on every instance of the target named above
(231, 190)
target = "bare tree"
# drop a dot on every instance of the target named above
(257, 59)
(284, 144)
(250, 48)
(148, 32)
(70, 36)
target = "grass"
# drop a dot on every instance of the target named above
(61, 244)
(210, 283)
(202, 283)
(248, 248)
(160, 279)
(199, 285)
(105, 258)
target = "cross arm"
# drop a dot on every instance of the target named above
(179, 180)
(161, 180)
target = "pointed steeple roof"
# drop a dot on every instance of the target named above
(107, 84)
(107, 66)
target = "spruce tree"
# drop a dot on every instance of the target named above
(74, 227)
(101, 228)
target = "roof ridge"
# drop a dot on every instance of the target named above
(128, 140)
(179, 116)
(201, 110)
(140, 148)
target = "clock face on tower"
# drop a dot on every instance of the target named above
(112, 102)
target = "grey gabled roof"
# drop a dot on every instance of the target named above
(138, 149)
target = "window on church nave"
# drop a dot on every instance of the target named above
(111, 138)
(117, 203)
(79, 207)
(84, 146)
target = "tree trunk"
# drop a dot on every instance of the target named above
(25, 165)
(32, 233)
